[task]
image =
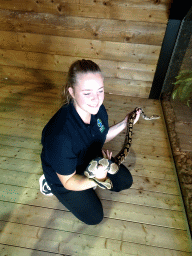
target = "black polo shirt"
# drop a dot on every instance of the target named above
(69, 144)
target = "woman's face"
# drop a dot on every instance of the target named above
(88, 93)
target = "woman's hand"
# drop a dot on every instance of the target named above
(101, 172)
(107, 154)
(137, 116)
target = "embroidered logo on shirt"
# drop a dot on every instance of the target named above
(100, 125)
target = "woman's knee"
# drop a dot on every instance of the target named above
(86, 206)
(122, 180)
(130, 181)
(94, 219)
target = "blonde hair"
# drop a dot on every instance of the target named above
(78, 67)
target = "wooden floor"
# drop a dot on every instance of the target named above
(146, 220)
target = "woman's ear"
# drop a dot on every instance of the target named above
(71, 92)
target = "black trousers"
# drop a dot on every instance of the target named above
(85, 205)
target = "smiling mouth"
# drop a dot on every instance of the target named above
(93, 106)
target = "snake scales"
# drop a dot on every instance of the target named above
(113, 166)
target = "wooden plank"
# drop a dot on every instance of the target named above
(18, 178)
(41, 94)
(9, 122)
(67, 226)
(137, 32)
(146, 183)
(26, 113)
(10, 103)
(27, 195)
(15, 251)
(122, 102)
(83, 47)
(143, 142)
(152, 184)
(116, 147)
(116, 229)
(22, 120)
(91, 49)
(20, 153)
(145, 198)
(143, 127)
(82, 244)
(7, 148)
(19, 76)
(128, 87)
(94, 49)
(53, 79)
(32, 144)
(21, 95)
(30, 215)
(112, 209)
(115, 210)
(136, 11)
(147, 160)
(149, 171)
(57, 63)
(16, 141)
(121, 202)
(28, 133)
(140, 129)
(138, 170)
(28, 153)
(21, 164)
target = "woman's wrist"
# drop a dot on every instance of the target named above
(125, 121)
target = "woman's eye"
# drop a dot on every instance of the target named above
(86, 94)
(101, 91)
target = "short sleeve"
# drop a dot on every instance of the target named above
(60, 155)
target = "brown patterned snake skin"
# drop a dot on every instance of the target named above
(113, 166)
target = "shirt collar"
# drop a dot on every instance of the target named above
(78, 119)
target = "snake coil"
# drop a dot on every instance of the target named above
(113, 166)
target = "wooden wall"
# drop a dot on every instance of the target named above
(39, 39)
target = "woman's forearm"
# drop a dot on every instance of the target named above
(78, 182)
(115, 130)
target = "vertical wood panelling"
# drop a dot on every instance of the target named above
(124, 37)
